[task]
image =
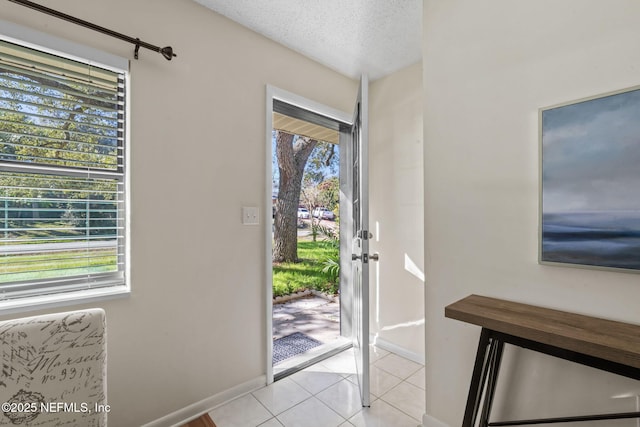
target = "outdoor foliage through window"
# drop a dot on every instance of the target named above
(61, 174)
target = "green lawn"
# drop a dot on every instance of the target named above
(45, 231)
(52, 263)
(306, 274)
(64, 263)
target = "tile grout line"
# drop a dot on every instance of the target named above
(324, 404)
(267, 409)
(394, 406)
(402, 381)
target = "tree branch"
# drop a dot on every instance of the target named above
(64, 88)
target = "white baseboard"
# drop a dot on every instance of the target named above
(400, 351)
(429, 421)
(194, 410)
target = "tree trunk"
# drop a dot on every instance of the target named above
(292, 159)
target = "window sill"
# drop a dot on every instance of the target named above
(63, 299)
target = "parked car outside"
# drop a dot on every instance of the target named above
(323, 213)
(303, 213)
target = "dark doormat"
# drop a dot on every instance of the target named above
(292, 345)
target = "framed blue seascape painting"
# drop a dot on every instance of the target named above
(590, 182)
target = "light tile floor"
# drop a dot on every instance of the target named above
(326, 395)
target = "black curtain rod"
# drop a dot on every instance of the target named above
(167, 51)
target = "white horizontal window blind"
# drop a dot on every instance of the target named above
(62, 174)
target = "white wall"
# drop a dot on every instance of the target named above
(488, 67)
(194, 324)
(396, 210)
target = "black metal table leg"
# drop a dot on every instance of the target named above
(492, 380)
(478, 380)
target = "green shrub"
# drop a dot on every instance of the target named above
(331, 268)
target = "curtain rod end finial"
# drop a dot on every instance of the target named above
(167, 52)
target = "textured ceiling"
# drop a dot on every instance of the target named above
(376, 37)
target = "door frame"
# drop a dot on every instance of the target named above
(275, 93)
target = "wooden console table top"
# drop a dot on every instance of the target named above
(606, 339)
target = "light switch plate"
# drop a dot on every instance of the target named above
(250, 215)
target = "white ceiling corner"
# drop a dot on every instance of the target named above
(374, 37)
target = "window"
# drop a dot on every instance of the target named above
(62, 175)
